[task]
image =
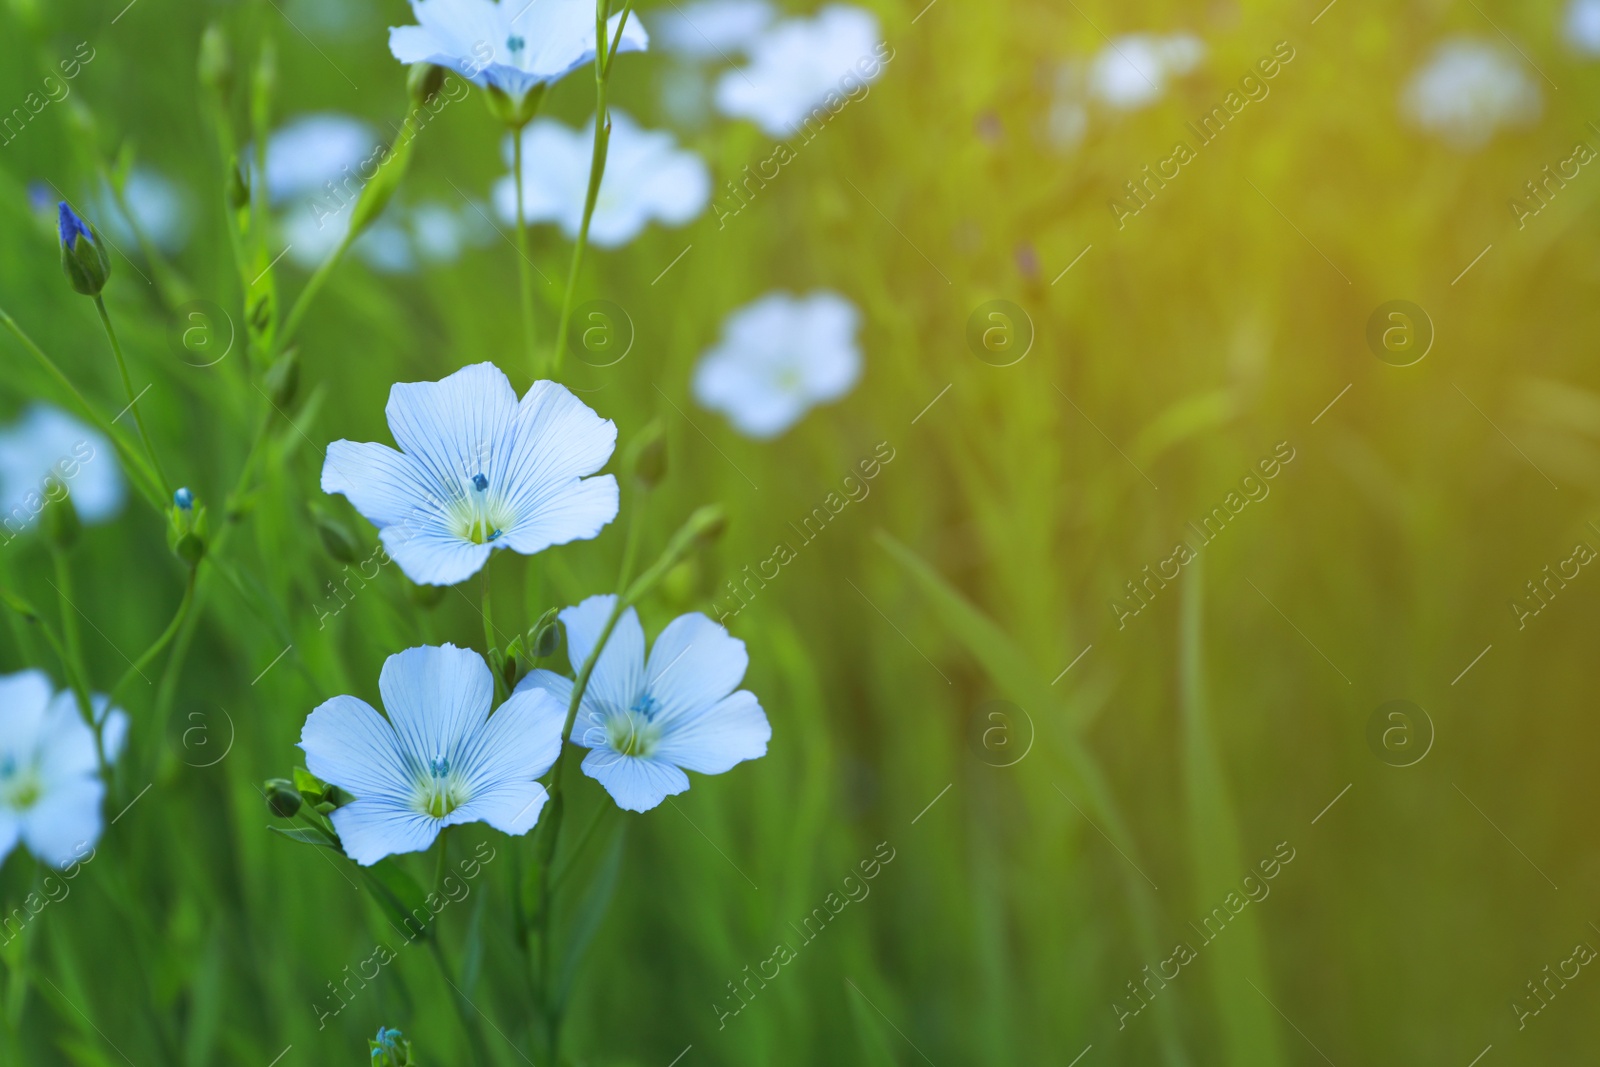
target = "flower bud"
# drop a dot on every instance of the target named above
(336, 537)
(548, 642)
(647, 455)
(283, 799)
(216, 61)
(238, 185)
(707, 524)
(283, 378)
(83, 257)
(423, 82)
(186, 528)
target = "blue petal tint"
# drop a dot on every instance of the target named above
(646, 721)
(478, 470)
(71, 226)
(439, 759)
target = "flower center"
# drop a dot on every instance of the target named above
(631, 733)
(20, 788)
(440, 793)
(515, 44)
(478, 518)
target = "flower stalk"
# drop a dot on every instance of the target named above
(603, 57)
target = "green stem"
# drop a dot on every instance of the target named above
(302, 303)
(577, 850)
(70, 630)
(524, 279)
(597, 168)
(138, 665)
(143, 476)
(469, 1023)
(133, 401)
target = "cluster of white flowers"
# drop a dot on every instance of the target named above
(480, 471)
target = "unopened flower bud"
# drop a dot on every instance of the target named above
(647, 455)
(83, 256)
(186, 528)
(283, 799)
(283, 377)
(216, 61)
(336, 537)
(707, 524)
(238, 185)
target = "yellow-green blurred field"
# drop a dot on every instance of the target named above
(1082, 748)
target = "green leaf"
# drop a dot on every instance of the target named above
(311, 835)
(593, 902)
(1249, 1026)
(1004, 662)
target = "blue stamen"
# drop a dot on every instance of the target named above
(515, 44)
(479, 482)
(439, 766)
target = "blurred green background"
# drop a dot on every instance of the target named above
(1071, 841)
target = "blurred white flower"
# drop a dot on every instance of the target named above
(1132, 71)
(512, 45)
(799, 64)
(310, 238)
(779, 357)
(1467, 90)
(437, 232)
(158, 207)
(647, 177)
(50, 787)
(1583, 26)
(707, 30)
(46, 450)
(309, 152)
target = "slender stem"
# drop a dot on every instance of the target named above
(577, 850)
(470, 1024)
(597, 169)
(71, 632)
(524, 279)
(302, 302)
(136, 463)
(488, 613)
(138, 665)
(133, 401)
